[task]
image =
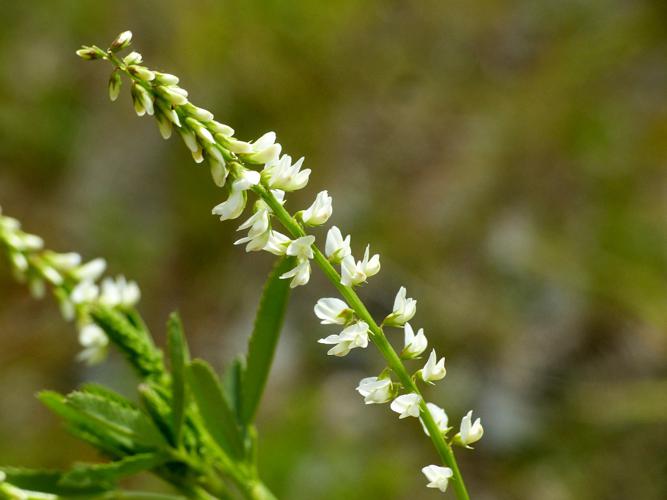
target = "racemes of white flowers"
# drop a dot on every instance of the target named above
(470, 432)
(438, 477)
(74, 283)
(242, 167)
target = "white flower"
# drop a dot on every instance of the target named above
(259, 233)
(370, 265)
(85, 292)
(407, 405)
(437, 476)
(95, 342)
(92, 270)
(337, 248)
(282, 174)
(246, 179)
(320, 211)
(277, 244)
(333, 311)
(119, 292)
(234, 205)
(375, 390)
(302, 247)
(470, 432)
(258, 223)
(351, 274)
(433, 370)
(355, 335)
(263, 150)
(440, 417)
(354, 273)
(404, 309)
(300, 274)
(415, 345)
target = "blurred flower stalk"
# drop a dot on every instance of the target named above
(74, 284)
(242, 167)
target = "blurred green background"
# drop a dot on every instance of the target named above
(507, 159)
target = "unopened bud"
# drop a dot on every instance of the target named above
(114, 85)
(88, 53)
(142, 73)
(123, 40)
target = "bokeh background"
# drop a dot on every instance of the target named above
(507, 159)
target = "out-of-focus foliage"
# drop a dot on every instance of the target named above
(508, 160)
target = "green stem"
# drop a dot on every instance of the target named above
(377, 336)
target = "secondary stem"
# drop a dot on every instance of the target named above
(377, 336)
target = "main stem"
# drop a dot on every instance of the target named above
(377, 336)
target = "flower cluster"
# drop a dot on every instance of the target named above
(73, 282)
(241, 167)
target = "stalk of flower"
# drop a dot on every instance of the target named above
(233, 165)
(74, 284)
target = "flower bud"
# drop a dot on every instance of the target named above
(141, 72)
(133, 58)
(166, 79)
(89, 53)
(142, 100)
(201, 114)
(122, 41)
(115, 83)
(172, 94)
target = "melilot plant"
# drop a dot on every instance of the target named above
(216, 419)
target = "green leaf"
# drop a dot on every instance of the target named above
(118, 418)
(47, 481)
(264, 338)
(179, 358)
(105, 392)
(106, 475)
(155, 403)
(85, 427)
(214, 408)
(132, 341)
(231, 381)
